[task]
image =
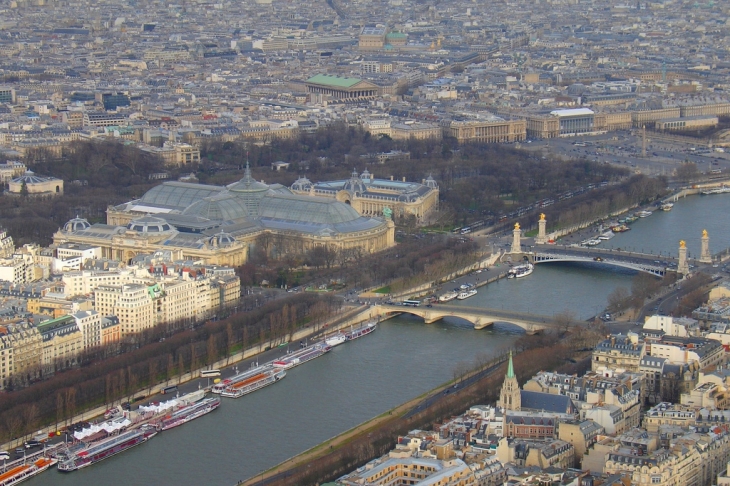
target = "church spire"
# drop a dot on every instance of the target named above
(510, 367)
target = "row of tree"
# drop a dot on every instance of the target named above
(153, 360)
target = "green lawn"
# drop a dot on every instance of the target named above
(383, 290)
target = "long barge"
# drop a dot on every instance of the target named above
(89, 454)
(243, 376)
(302, 356)
(253, 383)
(366, 329)
(189, 412)
(19, 474)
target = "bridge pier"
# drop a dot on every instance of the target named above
(480, 323)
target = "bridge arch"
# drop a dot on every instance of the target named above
(657, 271)
(480, 318)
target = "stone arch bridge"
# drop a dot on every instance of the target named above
(480, 317)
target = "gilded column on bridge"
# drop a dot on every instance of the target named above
(541, 234)
(705, 256)
(683, 267)
(516, 235)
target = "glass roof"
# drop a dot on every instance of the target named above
(218, 208)
(178, 194)
(306, 209)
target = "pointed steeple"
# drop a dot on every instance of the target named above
(510, 367)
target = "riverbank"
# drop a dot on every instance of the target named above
(348, 317)
(375, 437)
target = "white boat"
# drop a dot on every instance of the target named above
(466, 294)
(667, 206)
(607, 235)
(719, 190)
(448, 296)
(336, 339)
(520, 271)
(591, 242)
(644, 214)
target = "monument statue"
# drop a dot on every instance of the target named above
(542, 216)
(704, 233)
(682, 244)
(517, 226)
(387, 213)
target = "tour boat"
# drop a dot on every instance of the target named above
(189, 412)
(644, 213)
(361, 331)
(335, 339)
(19, 474)
(607, 235)
(620, 228)
(250, 385)
(466, 294)
(449, 296)
(719, 190)
(520, 271)
(667, 206)
(591, 242)
(88, 454)
(301, 356)
(222, 385)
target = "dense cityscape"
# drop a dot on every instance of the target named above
(199, 197)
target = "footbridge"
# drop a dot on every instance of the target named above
(478, 316)
(641, 262)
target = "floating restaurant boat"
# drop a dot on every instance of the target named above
(88, 454)
(18, 474)
(448, 296)
(302, 356)
(520, 271)
(361, 331)
(466, 294)
(222, 385)
(335, 339)
(189, 412)
(253, 383)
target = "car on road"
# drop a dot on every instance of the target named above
(4, 456)
(32, 443)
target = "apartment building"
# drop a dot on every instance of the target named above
(61, 344)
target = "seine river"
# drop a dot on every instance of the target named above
(402, 360)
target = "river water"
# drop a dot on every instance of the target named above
(402, 360)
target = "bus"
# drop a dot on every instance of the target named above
(210, 373)
(465, 231)
(412, 303)
(168, 389)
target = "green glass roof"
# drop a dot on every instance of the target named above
(334, 81)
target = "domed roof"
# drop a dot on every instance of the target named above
(30, 178)
(76, 224)
(301, 184)
(248, 184)
(221, 239)
(431, 182)
(220, 207)
(149, 224)
(354, 185)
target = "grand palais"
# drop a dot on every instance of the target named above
(220, 224)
